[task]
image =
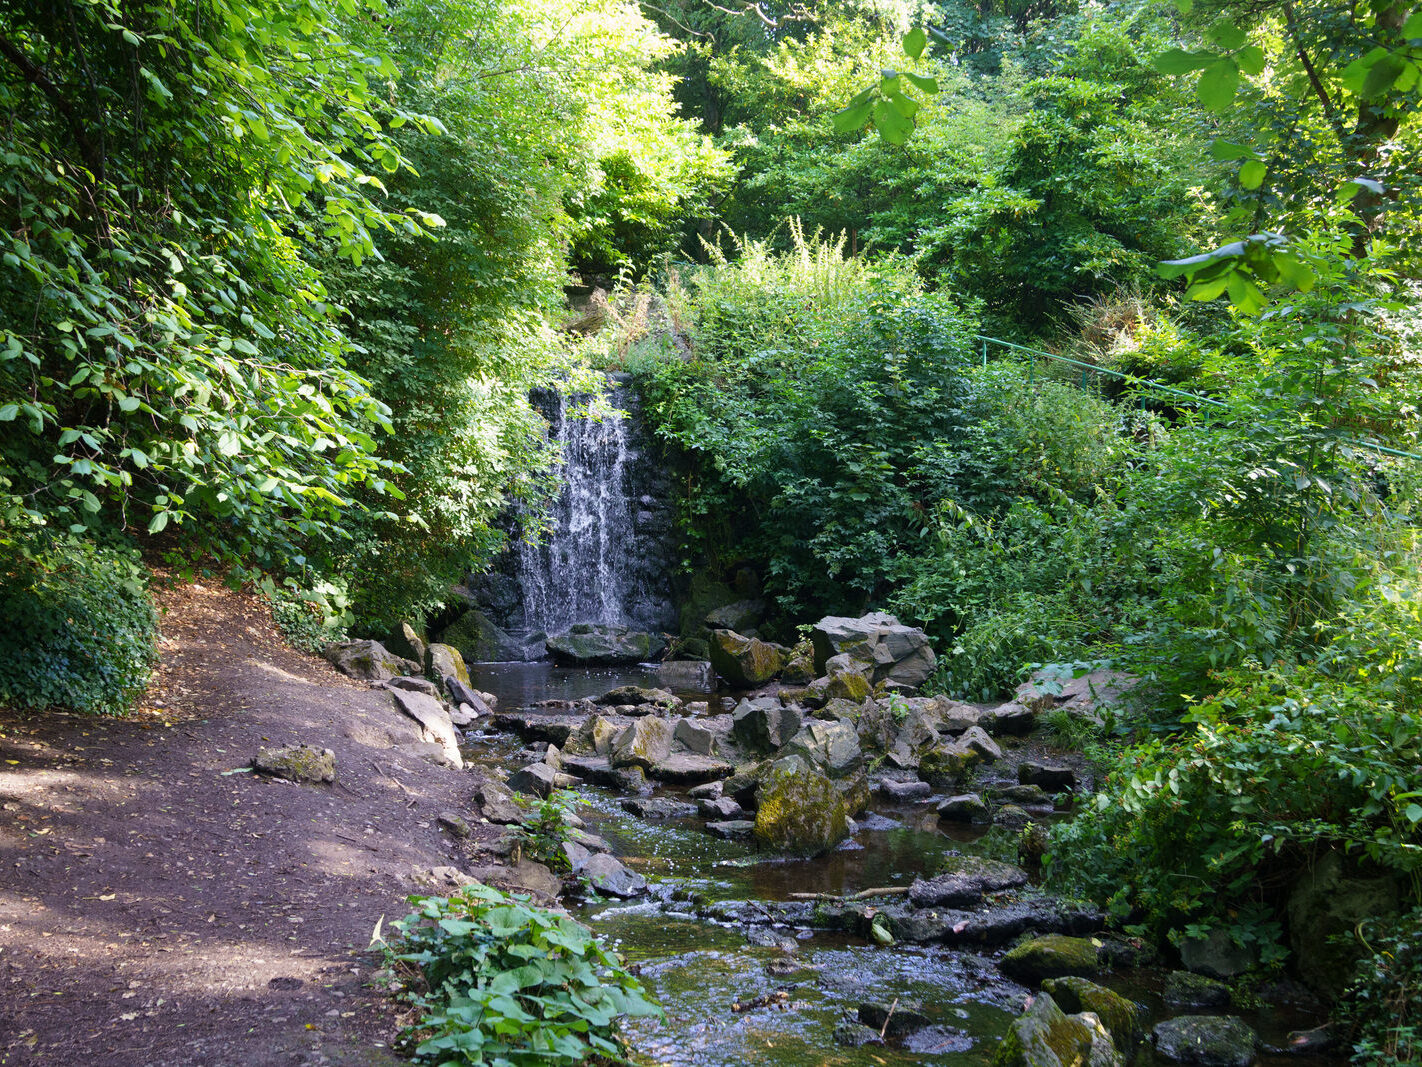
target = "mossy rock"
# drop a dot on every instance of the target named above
(800, 812)
(1122, 1017)
(1046, 1036)
(1052, 956)
(297, 763)
(744, 662)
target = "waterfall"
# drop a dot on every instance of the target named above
(603, 559)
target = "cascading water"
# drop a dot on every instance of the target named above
(602, 560)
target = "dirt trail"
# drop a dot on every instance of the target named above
(157, 909)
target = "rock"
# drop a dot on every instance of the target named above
(1053, 777)
(480, 640)
(1217, 955)
(1122, 1018)
(537, 780)
(998, 924)
(799, 668)
(432, 751)
(845, 678)
(948, 765)
(435, 724)
(976, 739)
(1011, 718)
(799, 809)
(1205, 1041)
(720, 809)
(608, 874)
(695, 738)
(455, 823)
(905, 792)
(462, 693)
(657, 807)
(707, 791)
(744, 784)
(954, 718)
(1326, 904)
(965, 880)
(1194, 991)
(646, 742)
(740, 616)
(595, 769)
(831, 747)
(636, 694)
(296, 763)
(538, 726)
(1022, 794)
(688, 768)
(594, 735)
(496, 802)
(965, 807)
(897, 1018)
(855, 1035)
(526, 876)
(899, 654)
(1045, 1036)
(938, 1041)
(368, 661)
(444, 662)
(594, 644)
(406, 643)
(415, 685)
(1013, 817)
(1052, 956)
(444, 878)
(1081, 694)
(744, 662)
(687, 675)
(734, 828)
(630, 780)
(763, 724)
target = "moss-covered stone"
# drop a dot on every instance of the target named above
(1205, 1041)
(799, 809)
(1052, 956)
(297, 763)
(1045, 1036)
(1122, 1017)
(744, 662)
(445, 661)
(645, 743)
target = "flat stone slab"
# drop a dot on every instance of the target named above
(996, 925)
(732, 828)
(595, 769)
(965, 880)
(658, 807)
(535, 726)
(688, 768)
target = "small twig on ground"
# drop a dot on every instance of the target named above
(884, 1029)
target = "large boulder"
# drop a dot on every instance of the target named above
(444, 662)
(636, 695)
(800, 810)
(369, 661)
(1326, 904)
(595, 644)
(435, 724)
(744, 662)
(1046, 1036)
(965, 880)
(947, 766)
(763, 724)
(900, 654)
(740, 616)
(406, 642)
(480, 640)
(646, 742)
(830, 747)
(1205, 1041)
(1052, 956)
(1122, 1017)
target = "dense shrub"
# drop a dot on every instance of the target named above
(1384, 1002)
(497, 980)
(79, 628)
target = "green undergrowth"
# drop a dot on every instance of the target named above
(79, 627)
(496, 980)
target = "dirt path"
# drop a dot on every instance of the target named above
(156, 908)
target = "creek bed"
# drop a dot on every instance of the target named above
(735, 994)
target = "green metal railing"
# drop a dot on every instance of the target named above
(1143, 385)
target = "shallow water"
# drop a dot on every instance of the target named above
(799, 985)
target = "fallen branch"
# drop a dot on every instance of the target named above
(863, 894)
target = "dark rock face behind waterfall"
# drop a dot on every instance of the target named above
(606, 558)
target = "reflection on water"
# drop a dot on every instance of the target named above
(519, 684)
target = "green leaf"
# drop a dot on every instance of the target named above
(8, 412)
(1176, 61)
(1252, 174)
(1412, 28)
(903, 105)
(1224, 151)
(1227, 35)
(1218, 85)
(1381, 77)
(1250, 59)
(892, 126)
(922, 84)
(914, 42)
(852, 118)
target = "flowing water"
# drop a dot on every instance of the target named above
(751, 993)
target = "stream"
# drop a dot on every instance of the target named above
(738, 989)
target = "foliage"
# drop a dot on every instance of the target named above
(167, 351)
(1385, 997)
(814, 407)
(79, 626)
(309, 618)
(501, 981)
(543, 835)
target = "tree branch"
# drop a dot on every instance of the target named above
(1318, 87)
(37, 77)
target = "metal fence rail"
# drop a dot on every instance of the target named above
(1147, 384)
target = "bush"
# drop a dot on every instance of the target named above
(310, 618)
(79, 628)
(1384, 1002)
(500, 981)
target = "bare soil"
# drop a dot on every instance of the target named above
(161, 905)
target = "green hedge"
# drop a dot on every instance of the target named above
(79, 628)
